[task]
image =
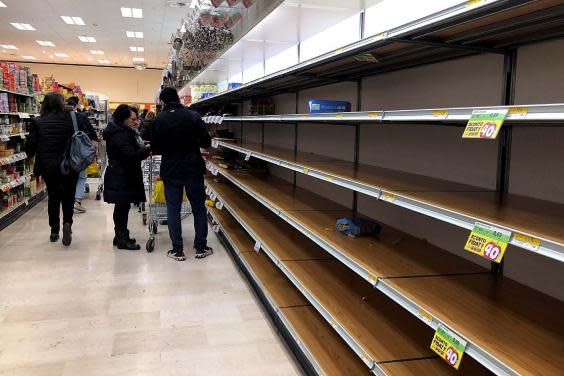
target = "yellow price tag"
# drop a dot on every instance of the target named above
(338, 51)
(473, 3)
(485, 124)
(518, 112)
(448, 346)
(527, 242)
(488, 241)
(339, 115)
(389, 196)
(372, 278)
(306, 170)
(425, 316)
(378, 37)
(373, 114)
(440, 114)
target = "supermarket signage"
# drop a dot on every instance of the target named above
(23, 115)
(526, 242)
(485, 124)
(448, 346)
(488, 241)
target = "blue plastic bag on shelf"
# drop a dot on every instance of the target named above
(355, 227)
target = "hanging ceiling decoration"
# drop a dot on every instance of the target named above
(209, 29)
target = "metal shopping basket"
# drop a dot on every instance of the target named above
(154, 213)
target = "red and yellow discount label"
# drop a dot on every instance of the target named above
(485, 124)
(448, 346)
(488, 241)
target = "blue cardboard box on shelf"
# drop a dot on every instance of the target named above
(322, 105)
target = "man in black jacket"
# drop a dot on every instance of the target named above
(178, 134)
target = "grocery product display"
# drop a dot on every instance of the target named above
(361, 207)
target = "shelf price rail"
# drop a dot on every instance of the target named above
(474, 350)
(546, 247)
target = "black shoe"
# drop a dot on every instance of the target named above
(67, 237)
(130, 240)
(203, 252)
(124, 243)
(54, 237)
(177, 255)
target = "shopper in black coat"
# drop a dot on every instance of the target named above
(48, 138)
(178, 134)
(123, 181)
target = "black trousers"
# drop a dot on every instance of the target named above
(121, 215)
(61, 189)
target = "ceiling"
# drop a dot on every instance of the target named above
(104, 22)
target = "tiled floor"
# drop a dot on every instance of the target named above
(92, 310)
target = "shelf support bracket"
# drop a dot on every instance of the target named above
(357, 142)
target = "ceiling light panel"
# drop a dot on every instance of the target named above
(96, 52)
(22, 26)
(2, 5)
(104, 61)
(61, 55)
(137, 49)
(8, 46)
(132, 12)
(27, 57)
(134, 34)
(73, 20)
(45, 43)
(85, 39)
(138, 59)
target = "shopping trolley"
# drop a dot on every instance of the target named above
(156, 212)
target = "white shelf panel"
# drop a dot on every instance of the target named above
(520, 114)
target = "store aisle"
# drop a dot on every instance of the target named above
(92, 310)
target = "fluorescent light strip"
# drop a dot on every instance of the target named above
(85, 39)
(29, 57)
(61, 55)
(45, 43)
(73, 20)
(104, 61)
(137, 49)
(8, 46)
(96, 52)
(138, 59)
(2, 5)
(132, 12)
(22, 26)
(134, 34)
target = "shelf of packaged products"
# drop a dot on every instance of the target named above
(516, 114)
(523, 327)
(305, 326)
(15, 183)
(5, 216)
(12, 159)
(472, 27)
(16, 93)
(536, 225)
(389, 333)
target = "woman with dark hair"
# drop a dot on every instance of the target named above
(123, 182)
(48, 138)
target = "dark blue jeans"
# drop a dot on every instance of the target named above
(196, 196)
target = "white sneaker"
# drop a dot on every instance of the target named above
(78, 208)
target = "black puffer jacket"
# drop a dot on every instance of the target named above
(123, 181)
(48, 138)
(177, 134)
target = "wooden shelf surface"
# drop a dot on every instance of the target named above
(434, 367)
(542, 219)
(520, 326)
(390, 254)
(331, 353)
(278, 286)
(517, 325)
(384, 329)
